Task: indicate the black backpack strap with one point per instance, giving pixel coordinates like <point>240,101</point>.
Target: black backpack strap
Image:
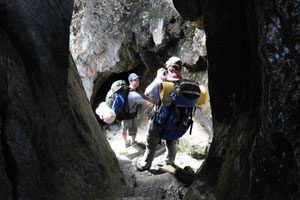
<point>191,119</point>
<point>126,114</point>
<point>132,107</point>
<point>131,90</point>
<point>155,110</point>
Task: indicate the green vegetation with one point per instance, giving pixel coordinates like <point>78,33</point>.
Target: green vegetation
<point>233,177</point>
<point>198,23</point>
<point>227,176</point>
<point>184,146</point>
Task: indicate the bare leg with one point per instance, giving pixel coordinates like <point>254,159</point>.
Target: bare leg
<point>124,134</point>
<point>133,139</point>
<point>132,131</point>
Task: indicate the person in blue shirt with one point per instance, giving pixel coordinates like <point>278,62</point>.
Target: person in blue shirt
<point>134,99</point>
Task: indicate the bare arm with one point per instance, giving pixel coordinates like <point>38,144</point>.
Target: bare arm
<point>159,76</point>
<point>148,104</point>
<point>150,87</point>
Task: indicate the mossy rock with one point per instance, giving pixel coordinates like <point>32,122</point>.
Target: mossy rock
<point>198,23</point>
<point>196,151</point>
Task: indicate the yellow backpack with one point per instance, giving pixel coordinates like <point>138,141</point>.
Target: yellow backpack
<point>166,87</point>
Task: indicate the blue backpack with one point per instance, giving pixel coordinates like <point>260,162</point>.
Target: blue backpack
<point>117,100</point>
<point>173,120</point>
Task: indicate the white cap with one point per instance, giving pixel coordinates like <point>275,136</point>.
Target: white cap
<point>174,62</point>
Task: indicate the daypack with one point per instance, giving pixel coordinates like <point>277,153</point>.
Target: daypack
<point>105,113</point>
<point>173,116</point>
<point>117,100</point>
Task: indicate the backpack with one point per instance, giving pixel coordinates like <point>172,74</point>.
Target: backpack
<point>117,100</point>
<point>173,116</point>
<point>105,113</point>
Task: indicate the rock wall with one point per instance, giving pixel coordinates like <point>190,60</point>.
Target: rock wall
<point>116,36</point>
<point>253,55</point>
<point>52,148</point>
<point>51,145</point>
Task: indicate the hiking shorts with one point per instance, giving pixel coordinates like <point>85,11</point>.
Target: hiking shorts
<point>130,125</point>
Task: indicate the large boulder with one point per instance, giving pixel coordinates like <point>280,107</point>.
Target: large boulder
<point>253,55</point>
<point>116,36</point>
<point>51,145</point>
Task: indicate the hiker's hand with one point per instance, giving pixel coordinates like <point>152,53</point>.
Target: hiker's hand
<point>149,104</point>
<point>161,73</point>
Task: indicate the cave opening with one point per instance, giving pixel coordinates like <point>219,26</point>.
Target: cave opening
<point>104,81</point>
<point>191,149</point>
<point>195,145</point>
<point>140,56</point>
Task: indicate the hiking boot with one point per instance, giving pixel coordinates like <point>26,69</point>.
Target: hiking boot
<point>169,163</point>
<point>141,166</point>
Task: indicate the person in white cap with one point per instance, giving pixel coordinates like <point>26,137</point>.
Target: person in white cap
<point>172,73</point>
<point>134,99</point>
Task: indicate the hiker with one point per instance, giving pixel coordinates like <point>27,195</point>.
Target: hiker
<point>171,73</point>
<point>134,100</point>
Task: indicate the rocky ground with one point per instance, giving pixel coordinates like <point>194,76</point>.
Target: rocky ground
<point>160,182</point>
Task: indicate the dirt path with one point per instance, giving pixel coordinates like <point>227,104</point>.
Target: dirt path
<point>160,182</point>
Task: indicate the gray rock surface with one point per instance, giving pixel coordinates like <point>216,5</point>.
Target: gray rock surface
<point>52,148</point>
<point>253,57</point>
<point>116,36</point>
<point>160,182</point>
<point>51,145</point>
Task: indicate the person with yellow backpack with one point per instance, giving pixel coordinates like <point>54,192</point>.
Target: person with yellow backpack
<point>175,101</point>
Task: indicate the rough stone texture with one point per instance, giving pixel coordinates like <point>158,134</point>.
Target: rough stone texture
<point>196,144</point>
<point>160,182</point>
<point>116,36</point>
<point>5,184</point>
<point>51,145</point>
<point>253,56</point>
<point>274,158</point>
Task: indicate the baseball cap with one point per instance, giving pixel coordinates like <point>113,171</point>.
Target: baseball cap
<point>174,62</point>
<point>132,76</point>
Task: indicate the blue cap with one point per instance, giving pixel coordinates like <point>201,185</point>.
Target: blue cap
<point>132,76</point>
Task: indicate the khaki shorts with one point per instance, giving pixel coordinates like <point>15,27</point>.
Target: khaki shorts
<point>130,125</point>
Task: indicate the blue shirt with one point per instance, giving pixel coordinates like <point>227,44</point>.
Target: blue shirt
<point>154,90</point>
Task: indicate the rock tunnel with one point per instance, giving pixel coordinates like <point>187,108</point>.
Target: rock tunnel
<point>103,85</point>
<point>50,142</point>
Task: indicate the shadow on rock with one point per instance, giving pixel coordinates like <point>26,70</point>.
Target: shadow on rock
<point>184,175</point>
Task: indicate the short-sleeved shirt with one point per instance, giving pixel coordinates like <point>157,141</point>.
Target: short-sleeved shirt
<point>134,99</point>
<point>154,90</point>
